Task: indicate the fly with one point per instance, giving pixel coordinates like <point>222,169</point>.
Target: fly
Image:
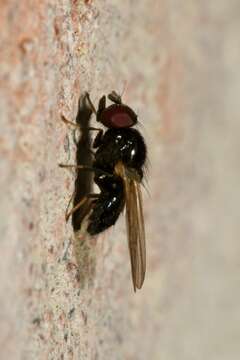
<point>118,168</point>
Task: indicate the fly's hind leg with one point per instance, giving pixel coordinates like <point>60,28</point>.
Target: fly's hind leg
<point>85,198</point>
<point>81,203</point>
<point>68,212</point>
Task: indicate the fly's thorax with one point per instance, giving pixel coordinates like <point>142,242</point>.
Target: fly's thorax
<point>126,145</point>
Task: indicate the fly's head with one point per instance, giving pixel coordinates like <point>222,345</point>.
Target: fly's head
<point>117,115</point>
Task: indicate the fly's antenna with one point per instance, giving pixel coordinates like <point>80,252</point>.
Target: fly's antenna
<point>125,83</point>
<point>116,96</point>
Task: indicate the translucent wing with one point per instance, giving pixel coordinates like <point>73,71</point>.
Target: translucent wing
<point>135,224</point>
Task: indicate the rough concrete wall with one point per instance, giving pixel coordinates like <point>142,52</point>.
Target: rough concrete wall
<point>180,60</point>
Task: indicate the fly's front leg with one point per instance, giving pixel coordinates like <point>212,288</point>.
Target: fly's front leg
<point>68,122</point>
<point>101,108</point>
<point>98,139</point>
<point>101,105</point>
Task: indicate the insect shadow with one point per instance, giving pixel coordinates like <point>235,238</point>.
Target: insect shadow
<point>83,181</point>
<point>84,247</point>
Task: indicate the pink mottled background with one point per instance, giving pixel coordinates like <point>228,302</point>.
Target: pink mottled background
<point>63,297</point>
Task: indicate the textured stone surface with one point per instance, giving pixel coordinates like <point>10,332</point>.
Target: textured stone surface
<point>181,64</point>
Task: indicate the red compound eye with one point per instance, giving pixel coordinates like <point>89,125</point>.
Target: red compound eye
<point>118,116</point>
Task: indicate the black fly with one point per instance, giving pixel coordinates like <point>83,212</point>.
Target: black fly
<point>118,168</point>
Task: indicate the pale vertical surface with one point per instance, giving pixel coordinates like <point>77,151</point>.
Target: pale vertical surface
<point>180,60</point>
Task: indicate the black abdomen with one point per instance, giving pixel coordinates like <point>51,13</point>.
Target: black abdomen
<point>108,206</point>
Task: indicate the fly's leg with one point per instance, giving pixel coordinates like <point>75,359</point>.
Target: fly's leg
<point>68,122</point>
<point>101,107</point>
<point>101,104</point>
<point>68,205</point>
<point>85,198</point>
<point>98,139</point>
<point>78,167</point>
<point>85,168</point>
<point>81,203</point>
<point>91,104</point>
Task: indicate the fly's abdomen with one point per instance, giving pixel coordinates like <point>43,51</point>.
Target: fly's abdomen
<point>106,211</point>
<point>109,205</point>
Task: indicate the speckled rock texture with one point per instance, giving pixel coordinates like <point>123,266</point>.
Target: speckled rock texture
<point>70,297</point>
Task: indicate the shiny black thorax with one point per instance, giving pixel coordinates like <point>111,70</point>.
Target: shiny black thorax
<point>126,145</point>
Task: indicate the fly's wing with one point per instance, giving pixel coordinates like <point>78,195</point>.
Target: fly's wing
<point>136,232</point>
<point>135,225</point>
